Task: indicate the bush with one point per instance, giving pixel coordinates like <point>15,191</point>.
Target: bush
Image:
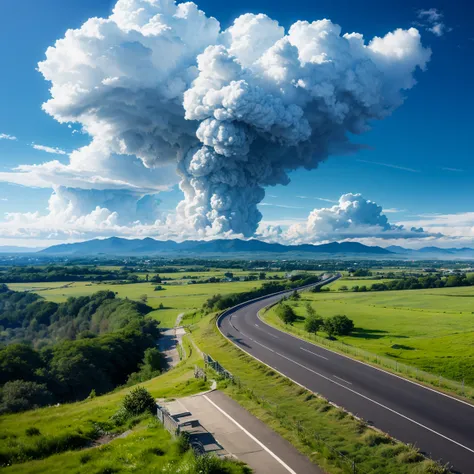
<point>139,401</point>
<point>338,325</point>
<point>313,323</point>
<point>19,395</point>
<point>286,313</point>
<point>32,431</point>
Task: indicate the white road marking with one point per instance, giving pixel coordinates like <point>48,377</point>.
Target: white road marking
<point>372,366</point>
<point>314,353</point>
<point>257,326</point>
<point>251,436</point>
<point>339,378</point>
<point>273,335</point>
<point>360,395</point>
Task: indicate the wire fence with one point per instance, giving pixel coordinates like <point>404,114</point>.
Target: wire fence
<point>307,436</point>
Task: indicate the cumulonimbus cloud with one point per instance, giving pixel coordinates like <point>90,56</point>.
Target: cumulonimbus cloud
<point>163,87</point>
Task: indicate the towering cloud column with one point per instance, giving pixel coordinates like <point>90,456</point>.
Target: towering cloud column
<point>235,110</point>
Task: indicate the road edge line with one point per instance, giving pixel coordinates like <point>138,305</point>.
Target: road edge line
<point>251,436</point>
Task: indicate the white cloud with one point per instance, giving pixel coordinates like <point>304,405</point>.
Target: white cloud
<point>49,149</point>
<point>353,217</point>
<point>234,111</point>
<point>5,136</point>
<point>166,95</point>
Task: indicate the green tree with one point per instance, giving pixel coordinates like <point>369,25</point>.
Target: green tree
<point>19,395</point>
<point>313,323</point>
<point>286,313</point>
<point>310,311</point>
<point>339,325</point>
<point>153,358</point>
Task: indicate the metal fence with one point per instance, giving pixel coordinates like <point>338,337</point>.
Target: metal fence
<point>167,420</point>
<point>216,366</point>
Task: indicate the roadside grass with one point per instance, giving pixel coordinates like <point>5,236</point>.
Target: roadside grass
<point>77,425</point>
<point>149,449</point>
<point>431,330</point>
<point>314,426</point>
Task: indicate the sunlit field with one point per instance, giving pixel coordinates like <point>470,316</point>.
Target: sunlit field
<point>431,329</point>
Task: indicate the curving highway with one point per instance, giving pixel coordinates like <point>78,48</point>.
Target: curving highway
<point>442,427</point>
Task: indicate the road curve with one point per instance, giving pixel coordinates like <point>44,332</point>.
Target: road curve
<point>442,427</point>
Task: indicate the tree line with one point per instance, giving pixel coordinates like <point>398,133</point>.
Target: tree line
<point>84,345</point>
<point>418,283</point>
<point>220,302</point>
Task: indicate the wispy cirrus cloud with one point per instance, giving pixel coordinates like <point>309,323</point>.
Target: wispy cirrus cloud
<point>390,165</point>
<point>455,170</point>
<point>6,136</point>
<point>392,210</point>
<point>318,198</point>
<point>432,20</point>
<point>283,206</point>
<point>49,149</point>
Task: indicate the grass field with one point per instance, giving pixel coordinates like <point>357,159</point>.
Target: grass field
<point>430,329</point>
<point>176,299</point>
<point>299,416</point>
<point>350,282</point>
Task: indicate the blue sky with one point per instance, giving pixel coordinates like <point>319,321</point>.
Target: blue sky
<point>417,163</point>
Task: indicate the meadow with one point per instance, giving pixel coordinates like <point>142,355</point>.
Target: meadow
<point>176,297</point>
<point>430,329</point>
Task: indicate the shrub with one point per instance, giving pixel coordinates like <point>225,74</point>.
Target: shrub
<point>139,401</point>
<point>32,431</point>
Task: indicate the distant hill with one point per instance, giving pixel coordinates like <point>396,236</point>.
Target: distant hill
<point>148,246</point>
<point>434,252</point>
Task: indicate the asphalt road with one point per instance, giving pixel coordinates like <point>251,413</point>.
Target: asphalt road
<point>440,426</point>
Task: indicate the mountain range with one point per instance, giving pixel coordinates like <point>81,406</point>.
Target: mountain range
<point>149,246</point>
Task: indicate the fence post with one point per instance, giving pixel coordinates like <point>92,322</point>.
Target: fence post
<point>354,469</point>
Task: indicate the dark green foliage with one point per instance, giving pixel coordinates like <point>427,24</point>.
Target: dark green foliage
<point>219,302</point>
<point>19,395</point>
<point>19,361</point>
<point>338,325</point>
<point>100,341</point>
<point>420,282</point>
<point>286,313</point>
<point>313,323</point>
<point>32,431</point>
<point>55,273</point>
<point>139,401</point>
<point>27,317</point>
